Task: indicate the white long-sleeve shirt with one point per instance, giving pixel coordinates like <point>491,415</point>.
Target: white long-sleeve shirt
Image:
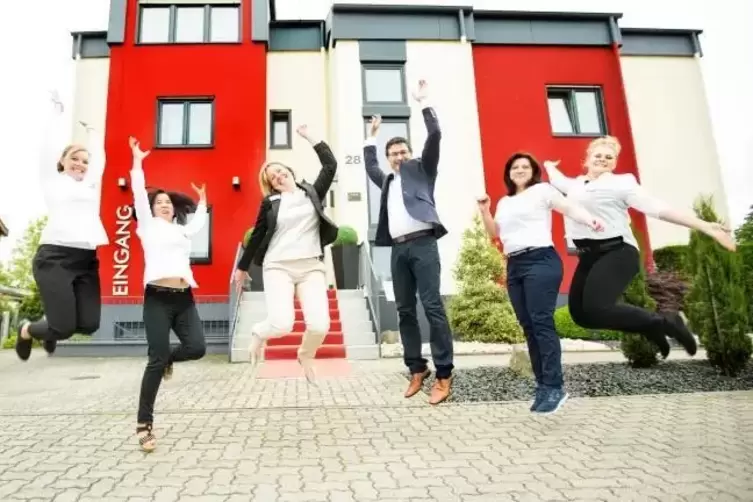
<point>73,206</point>
<point>608,197</point>
<point>166,245</point>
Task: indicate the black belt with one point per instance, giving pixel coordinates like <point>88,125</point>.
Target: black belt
<point>522,251</point>
<point>167,289</point>
<point>584,246</point>
<point>412,235</point>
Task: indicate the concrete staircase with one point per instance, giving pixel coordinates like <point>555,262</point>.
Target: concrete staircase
<point>351,333</point>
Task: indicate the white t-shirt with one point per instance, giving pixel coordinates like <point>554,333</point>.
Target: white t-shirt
<point>525,220</point>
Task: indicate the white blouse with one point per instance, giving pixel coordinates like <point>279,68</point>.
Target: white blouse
<point>296,233</point>
<point>72,206</point>
<point>524,220</point>
<point>608,197</point>
<point>166,245</point>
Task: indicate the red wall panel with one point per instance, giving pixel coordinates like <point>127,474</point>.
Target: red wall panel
<point>235,75</point>
<point>513,114</point>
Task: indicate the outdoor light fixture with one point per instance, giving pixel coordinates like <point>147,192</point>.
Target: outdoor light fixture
<point>122,183</point>
<point>236,182</point>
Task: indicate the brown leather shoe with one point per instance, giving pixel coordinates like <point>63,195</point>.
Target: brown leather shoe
<point>440,390</point>
<point>416,382</point>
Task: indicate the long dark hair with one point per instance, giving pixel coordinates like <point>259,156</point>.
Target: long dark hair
<point>183,205</point>
<point>512,189</point>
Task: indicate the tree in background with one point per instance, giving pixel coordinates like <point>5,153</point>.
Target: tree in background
<point>718,310</point>
<point>481,311</point>
<point>20,273</point>
<point>744,234</point>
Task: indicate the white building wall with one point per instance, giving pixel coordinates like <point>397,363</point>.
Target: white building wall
<point>90,96</point>
<point>674,142</point>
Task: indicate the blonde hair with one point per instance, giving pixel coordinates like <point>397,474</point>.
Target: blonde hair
<point>608,141</point>
<point>69,151</point>
<point>264,185</point>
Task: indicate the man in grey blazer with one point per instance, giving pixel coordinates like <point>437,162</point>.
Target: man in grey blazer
<point>409,223</point>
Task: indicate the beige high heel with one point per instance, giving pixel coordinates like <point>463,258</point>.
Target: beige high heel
<point>147,442</point>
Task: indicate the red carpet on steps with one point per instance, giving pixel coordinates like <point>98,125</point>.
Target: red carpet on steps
<point>286,347</point>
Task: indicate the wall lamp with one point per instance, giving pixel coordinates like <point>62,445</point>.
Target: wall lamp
<point>122,183</point>
<point>236,183</point>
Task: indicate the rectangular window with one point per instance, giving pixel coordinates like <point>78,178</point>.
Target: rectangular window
<point>576,111</point>
<point>280,133</point>
<point>201,242</point>
<point>383,84</point>
<point>185,123</point>
<point>194,24</point>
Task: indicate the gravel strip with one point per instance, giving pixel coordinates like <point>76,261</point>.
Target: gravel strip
<point>493,383</point>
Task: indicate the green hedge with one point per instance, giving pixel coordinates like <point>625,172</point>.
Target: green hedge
<point>566,328</point>
<point>746,254</point>
<point>672,259</point>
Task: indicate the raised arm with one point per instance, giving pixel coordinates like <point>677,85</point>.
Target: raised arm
<point>257,237</point>
<point>484,208</point>
<point>638,198</point>
<point>138,184</point>
<point>375,173</point>
<point>200,216</point>
<point>52,140</point>
<point>95,145</point>
<point>556,178</point>
<point>430,153</point>
<point>329,163</point>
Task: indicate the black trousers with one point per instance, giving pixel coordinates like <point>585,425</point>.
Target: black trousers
<point>68,282</point>
<point>600,280</point>
<point>166,309</point>
<point>416,268</point>
<point>533,283</point>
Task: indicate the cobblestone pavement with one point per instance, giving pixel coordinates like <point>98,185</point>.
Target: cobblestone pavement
<point>224,436</point>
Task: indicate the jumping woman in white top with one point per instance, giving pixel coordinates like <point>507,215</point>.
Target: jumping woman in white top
<point>168,281</point>
<point>534,269</point>
<point>608,261</point>
<point>65,267</point>
<point>288,241</point>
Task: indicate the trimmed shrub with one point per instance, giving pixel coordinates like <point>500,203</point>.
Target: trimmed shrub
<point>247,236</point>
<point>481,311</point>
<point>718,309</point>
<point>745,251</point>
<point>345,236</point>
<point>672,259</point>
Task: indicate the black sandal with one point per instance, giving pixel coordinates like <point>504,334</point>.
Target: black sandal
<point>147,438</point>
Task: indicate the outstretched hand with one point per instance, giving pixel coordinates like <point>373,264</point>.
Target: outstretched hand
<point>239,277</point>
<point>57,102</point>
<point>721,234</point>
<point>303,131</point>
<point>422,92</point>
<point>551,164</point>
<point>136,149</point>
<point>484,203</point>
<point>376,121</point>
<point>201,191</point>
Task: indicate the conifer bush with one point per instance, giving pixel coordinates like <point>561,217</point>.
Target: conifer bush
<point>718,310</point>
<point>481,310</point>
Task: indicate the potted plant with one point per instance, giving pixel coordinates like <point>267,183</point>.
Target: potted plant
<point>345,258</point>
<point>257,277</point>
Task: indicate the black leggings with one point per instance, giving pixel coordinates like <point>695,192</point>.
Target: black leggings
<point>599,282</point>
<point>166,309</point>
<point>68,282</point>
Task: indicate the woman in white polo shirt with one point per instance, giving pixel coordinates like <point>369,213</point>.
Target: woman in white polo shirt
<point>168,299</point>
<point>523,222</point>
<point>608,261</point>
<point>65,266</point>
<point>288,241</point>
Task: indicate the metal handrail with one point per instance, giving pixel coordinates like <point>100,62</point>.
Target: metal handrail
<point>367,280</point>
<point>234,301</point>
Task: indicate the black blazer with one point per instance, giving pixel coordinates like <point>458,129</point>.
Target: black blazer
<point>266,221</point>
<point>419,176</point>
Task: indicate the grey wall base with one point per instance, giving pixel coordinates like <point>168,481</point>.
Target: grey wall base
<point>121,349</point>
<point>389,321</point>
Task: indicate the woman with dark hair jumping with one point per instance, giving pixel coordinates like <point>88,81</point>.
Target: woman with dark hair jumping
<point>534,269</point>
<point>168,281</point>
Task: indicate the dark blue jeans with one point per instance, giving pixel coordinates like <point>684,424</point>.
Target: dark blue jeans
<point>416,268</point>
<point>533,283</point>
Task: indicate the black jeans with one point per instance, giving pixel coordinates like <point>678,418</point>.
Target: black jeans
<point>166,309</point>
<point>600,280</point>
<point>68,282</point>
<point>533,283</point>
<point>415,267</point>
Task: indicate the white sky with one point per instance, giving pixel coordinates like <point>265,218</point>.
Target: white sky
<point>35,46</point>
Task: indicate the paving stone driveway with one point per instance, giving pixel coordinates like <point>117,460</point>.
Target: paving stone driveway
<point>68,436</point>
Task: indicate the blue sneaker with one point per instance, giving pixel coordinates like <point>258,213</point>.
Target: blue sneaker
<point>540,392</point>
<point>553,400</point>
